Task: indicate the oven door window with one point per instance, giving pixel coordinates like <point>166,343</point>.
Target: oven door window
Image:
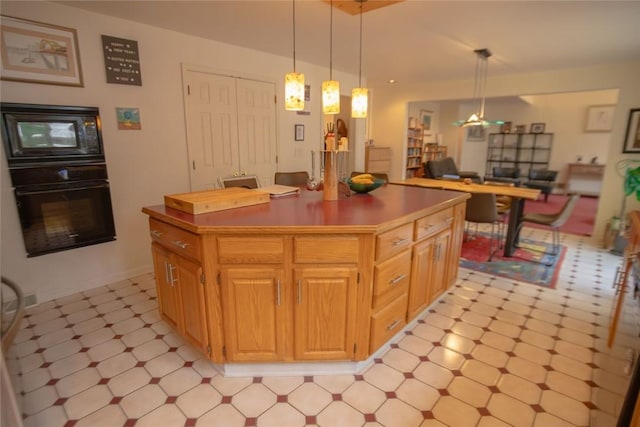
<point>59,217</point>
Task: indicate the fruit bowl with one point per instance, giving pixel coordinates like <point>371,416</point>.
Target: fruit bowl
<point>360,187</point>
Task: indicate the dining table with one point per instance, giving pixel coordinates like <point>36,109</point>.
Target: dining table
<point>517,194</point>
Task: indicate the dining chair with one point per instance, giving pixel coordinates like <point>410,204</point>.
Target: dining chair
<point>246,181</point>
<point>291,178</point>
<point>482,209</point>
<point>552,220</point>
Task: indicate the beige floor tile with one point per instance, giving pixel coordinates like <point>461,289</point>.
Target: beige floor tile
<point>68,365</point>
<point>575,337</point>
<point>396,413</point>
<point>286,384</point>
<point>143,401</point>
<point>537,339</point>
<point>61,350</point>
<point>439,321</point>
<point>511,410</point>
<point>469,391</point>
<point>476,319</point>
<point>511,317</point>
<point>446,358</point>
<point>128,381</point>
<point>128,326</point>
<point>310,398</point>
<point>364,397</point>
<point>490,355</point>
<point>542,327</point>
<point>467,330</point>
<point>221,416</point>
<point>400,360</point>
<point>254,400</point>
<point>339,414</point>
<point>569,386</point>
<point>433,375</point>
<point>428,332</point>
<point>532,353</point>
<point>415,345</point>
<point>418,394</point>
<point>480,372</point>
<point>498,341</point>
<point>35,379</point>
<point>53,416</point>
<point>163,416</point>
<point>519,388</point>
<point>281,415</point>
<point>179,381</point>
<point>78,382</point>
<point>198,400</point>
<point>89,325</point>
<point>457,343</point>
<point>565,408</point>
<point>39,399</point>
<point>547,420</point>
<point>453,412</point>
<point>574,351</point>
<point>484,309</point>
<point>492,422</point>
<point>150,350</point>
<point>230,386</point>
<point>164,364</point>
<point>138,337</point>
<point>526,369</point>
<point>88,401</point>
<point>384,377</point>
<point>505,328</point>
<point>108,416</point>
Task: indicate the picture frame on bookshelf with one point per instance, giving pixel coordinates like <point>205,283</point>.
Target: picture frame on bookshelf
<point>476,133</point>
<point>537,127</point>
<point>521,128</point>
<point>426,117</point>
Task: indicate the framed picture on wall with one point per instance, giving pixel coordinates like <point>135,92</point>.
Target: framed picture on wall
<point>537,127</point>
<point>426,117</point>
<point>476,133</point>
<point>35,52</point>
<point>632,136</point>
<point>599,118</point>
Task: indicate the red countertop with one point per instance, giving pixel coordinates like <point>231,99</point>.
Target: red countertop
<point>376,211</point>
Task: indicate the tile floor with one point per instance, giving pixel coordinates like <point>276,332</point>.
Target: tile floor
<point>490,352</point>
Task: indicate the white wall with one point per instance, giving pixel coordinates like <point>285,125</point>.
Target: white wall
<point>391,108</point>
<point>143,165</point>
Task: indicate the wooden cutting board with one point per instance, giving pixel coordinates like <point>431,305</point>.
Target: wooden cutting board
<point>215,200</point>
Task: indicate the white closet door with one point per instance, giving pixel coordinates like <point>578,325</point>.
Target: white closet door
<point>230,128</point>
<point>256,129</point>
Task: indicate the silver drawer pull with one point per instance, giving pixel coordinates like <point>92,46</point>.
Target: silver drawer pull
<point>399,242</point>
<point>397,279</point>
<point>180,244</point>
<point>393,325</point>
<point>278,292</point>
<point>156,233</point>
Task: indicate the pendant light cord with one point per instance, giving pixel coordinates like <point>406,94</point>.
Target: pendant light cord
<point>360,65</point>
<point>331,42</point>
<point>294,36</point>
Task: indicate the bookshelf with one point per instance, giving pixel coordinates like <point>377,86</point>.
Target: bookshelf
<point>414,149</point>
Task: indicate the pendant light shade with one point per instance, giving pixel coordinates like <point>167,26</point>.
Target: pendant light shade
<point>360,95</point>
<point>294,91</point>
<point>359,102</point>
<point>294,82</point>
<point>477,117</point>
<point>331,88</point>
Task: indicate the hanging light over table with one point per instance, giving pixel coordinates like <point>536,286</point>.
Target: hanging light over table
<point>359,95</point>
<point>477,117</point>
<point>294,82</point>
<point>331,88</point>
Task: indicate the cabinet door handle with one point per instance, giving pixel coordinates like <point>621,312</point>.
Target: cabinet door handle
<point>156,233</point>
<point>278,292</point>
<point>393,324</point>
<point>398,242</point>
<point>172,279</point>
<point>166,273</point>
<point>180,244</point>
<point>299,291</point>
<point>397,279</point>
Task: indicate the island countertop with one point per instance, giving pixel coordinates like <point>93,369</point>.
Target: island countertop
<point>376,211</point>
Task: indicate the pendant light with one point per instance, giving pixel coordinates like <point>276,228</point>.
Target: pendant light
<point>331,88</point>
<point>477,117</point>
<point>294,82</point>
<point>359,95</point>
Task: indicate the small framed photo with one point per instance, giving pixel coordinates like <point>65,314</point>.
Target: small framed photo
<point>128,118</point>
<point>35,52</point>
<point>505,127</point>
<point>521,128</point>
<point>476,133</point>
<point>299,132</point>
<point>425,121</point>
<point>537,127</point>
<point>599,118</point>
<point>632,137</point>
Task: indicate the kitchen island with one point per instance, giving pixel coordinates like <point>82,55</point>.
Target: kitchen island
<point>302,279</point>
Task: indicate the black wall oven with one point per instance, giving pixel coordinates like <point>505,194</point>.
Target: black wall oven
<point>59,174</point>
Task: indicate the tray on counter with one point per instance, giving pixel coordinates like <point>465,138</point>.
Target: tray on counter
<point>199,202</point>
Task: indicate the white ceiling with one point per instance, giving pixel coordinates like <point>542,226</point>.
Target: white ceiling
<point>412,41</point>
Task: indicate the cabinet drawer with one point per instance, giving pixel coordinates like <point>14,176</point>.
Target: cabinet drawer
<point>388,322</point>
<point>326,249</point>
<point>394,241</point>
<point>433,223</point>
<point>391,278</point>
<point>241,249</point>
<point>177,240</point>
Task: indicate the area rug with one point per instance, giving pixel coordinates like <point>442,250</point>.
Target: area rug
<point>528,264</point>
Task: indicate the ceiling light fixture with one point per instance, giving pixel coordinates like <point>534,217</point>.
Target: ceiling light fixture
<point>331,88</point>
<point>477,117</point>
<point>359,95</point>
<point>294,82</point>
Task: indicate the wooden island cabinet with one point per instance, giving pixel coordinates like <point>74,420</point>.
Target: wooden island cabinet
<point>303,279</point>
